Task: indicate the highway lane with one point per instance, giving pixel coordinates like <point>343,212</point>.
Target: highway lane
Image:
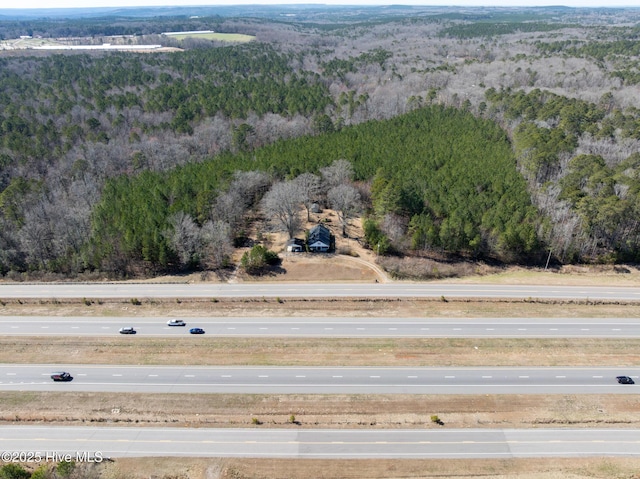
<point>326,327</point>
<point>320,380</point>
<point>313,290</point>
<point>115,442</point>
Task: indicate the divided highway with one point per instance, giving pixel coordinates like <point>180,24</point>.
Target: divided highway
<point>303,443</point>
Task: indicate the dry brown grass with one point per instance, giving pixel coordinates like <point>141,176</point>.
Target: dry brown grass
<point>320,352</point>
<point>339,411</point>
<point>330,308</point>
<point>177,468</point>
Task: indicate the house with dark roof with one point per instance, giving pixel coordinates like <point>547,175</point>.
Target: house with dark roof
<point>319,239</point>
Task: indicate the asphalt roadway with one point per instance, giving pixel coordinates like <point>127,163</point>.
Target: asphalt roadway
<point>99,443</point>
<point>319,380</point>
<point>312,290</point>
<point>333,327</point>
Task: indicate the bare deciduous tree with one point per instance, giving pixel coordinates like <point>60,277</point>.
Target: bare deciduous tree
<point>309,185</point>
<point>339,172</point>
<point>9,247</point>
<point>216,243</point>
<point>250,185</point>
<point>345,199</point>
<point>36,238</point>
<point>229,207</point>
<point>184,238</point>
<point>208,246</point>
<point>395,227</point>
<point>282,202</point>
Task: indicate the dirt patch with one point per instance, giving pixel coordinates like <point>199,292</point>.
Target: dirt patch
<point>320,267</point>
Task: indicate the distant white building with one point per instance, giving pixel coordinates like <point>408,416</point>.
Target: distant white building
<point>104,46</point>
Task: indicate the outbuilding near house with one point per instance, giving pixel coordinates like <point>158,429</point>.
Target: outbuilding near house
<point>319,239</point>
<point>295,245</point>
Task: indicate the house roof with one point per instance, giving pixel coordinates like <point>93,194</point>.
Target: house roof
<point>319,233</point>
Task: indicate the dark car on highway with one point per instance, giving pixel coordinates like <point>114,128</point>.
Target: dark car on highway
<point>625,380</point>
<point>61,376</point>
<point>196,331</point>
<point>127,330</point>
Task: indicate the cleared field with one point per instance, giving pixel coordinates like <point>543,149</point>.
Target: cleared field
<point>221,37</point>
